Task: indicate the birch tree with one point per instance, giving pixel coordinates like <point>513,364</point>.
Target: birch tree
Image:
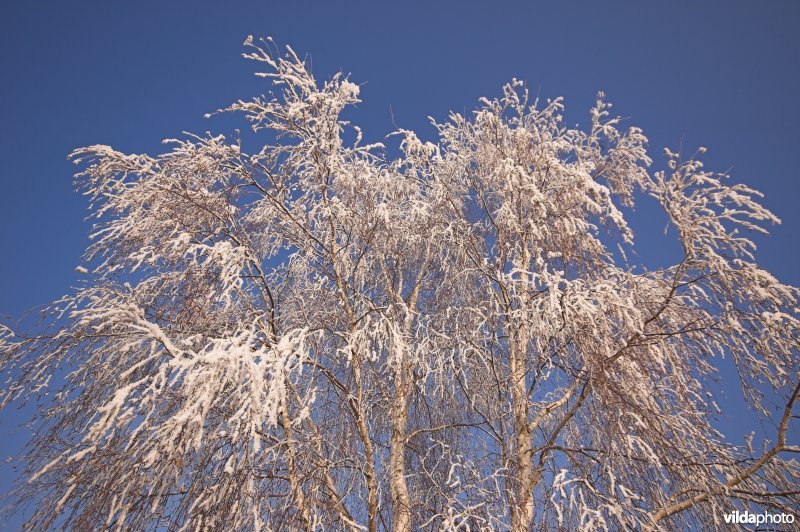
<point>450,334</point>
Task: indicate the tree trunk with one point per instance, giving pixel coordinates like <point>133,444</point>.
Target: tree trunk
<point>401,500</point>
<point>369,459</point>
<point>522,502</point>
<point>295,480</point>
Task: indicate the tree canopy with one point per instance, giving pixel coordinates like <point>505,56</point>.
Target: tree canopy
<point>457,334</point>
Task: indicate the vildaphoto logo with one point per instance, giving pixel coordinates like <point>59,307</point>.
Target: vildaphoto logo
<point>765,518</point>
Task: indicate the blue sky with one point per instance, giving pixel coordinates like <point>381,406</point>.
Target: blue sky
<point>719,74</point>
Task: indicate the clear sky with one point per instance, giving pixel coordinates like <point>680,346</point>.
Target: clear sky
<point>721,74</point>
